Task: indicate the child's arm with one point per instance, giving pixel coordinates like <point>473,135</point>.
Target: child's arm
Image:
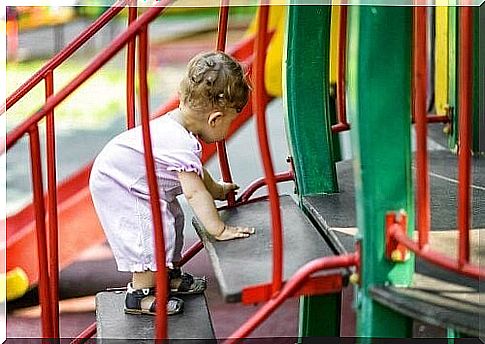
<point>202,203</point>
<point>217,190</point>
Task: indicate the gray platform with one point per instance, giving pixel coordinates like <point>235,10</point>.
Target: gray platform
<point>247,262</point>
<point>193,325</point>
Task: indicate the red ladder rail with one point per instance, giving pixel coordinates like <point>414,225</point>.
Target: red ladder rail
<point>396,229</point>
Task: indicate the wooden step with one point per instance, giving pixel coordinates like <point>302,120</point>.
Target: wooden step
<point>436,302</point>
<point>245,263</point>
<point>112,323</point>
<point>334,211</point>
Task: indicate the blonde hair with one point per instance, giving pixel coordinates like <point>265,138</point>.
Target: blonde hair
<point>214,80</point>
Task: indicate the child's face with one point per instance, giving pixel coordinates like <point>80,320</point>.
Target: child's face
<point>218,124</point>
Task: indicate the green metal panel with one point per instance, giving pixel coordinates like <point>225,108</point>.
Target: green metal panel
<point>308,122</point>
<point>452,79</point>
<point>379,76</point>
<point>319,316</point>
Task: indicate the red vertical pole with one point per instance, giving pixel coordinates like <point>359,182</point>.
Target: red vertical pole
<point>130,72</point>
<point>222,26</point>
<point>464,130</point>
<point>221,145</point>
<point>341,111</point>
<point>161,275</point>
<point>420,114</point>
<point>38,191</point>
<point>52,208</point>
<point>259,105</point>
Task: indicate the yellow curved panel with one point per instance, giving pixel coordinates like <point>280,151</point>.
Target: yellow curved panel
<point>274,57</point>
<point>441,59</point>
<point>334,43</point>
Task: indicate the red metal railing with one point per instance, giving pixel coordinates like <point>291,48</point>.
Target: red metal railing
<point>259,105</point>
<point>221,145</point>
<point>65,53</point>
<point>396,230</point>
<point>465,71</point>
<point>291,287</point>
<point>342,122</point>
<point>48,267</point>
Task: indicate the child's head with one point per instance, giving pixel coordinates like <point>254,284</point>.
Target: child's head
<point>214,85</point>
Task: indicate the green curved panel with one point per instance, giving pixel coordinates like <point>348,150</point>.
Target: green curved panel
<point>307,99</point>
<point>308,122</point>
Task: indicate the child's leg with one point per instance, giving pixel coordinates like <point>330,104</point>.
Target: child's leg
<point>179,224</point>
<point>181,282</point>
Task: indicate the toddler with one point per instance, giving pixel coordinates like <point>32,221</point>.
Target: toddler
<point>212,92</point>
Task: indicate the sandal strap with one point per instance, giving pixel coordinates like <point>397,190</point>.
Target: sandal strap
<point>135,296</point>
<point>186,282</point>
<point>174,305</point>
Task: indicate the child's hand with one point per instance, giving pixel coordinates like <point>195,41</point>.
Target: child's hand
<point>231,232</point>
<point>223,189</point>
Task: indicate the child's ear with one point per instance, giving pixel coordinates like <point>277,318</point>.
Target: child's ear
<point>213,117</point>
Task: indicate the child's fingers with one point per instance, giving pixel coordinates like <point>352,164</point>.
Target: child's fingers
<point>230,187</point>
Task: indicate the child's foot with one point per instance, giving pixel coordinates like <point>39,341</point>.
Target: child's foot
<point>143,301</point>
<point>185,283</point>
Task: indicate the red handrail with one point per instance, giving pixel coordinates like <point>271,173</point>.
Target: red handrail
<point>130,73</point>
<point>419,113</point>
<point>161,275</point>
<point>221,145</point>
<point>85,335</point>
<point>52,209</point>
<point>460,264</point>
<point>65,53</point>
<point>434,257</point>
<point>290,287</point>
<point>342,64</point>
<point>48,268</point>
<point>259,101</point>
<point>96,64</point>
<point>38,190</point>
<point>258,183</point>
<point>464,131</point>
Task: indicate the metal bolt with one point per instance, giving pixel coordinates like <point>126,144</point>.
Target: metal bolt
<point>447,129</point>
<point>397,256</point>
<point>354,278</point>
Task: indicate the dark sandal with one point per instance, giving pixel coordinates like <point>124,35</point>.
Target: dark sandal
<point>134,297</point>
<point>188,283</point>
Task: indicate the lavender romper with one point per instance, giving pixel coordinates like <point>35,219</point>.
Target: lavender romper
<point>120,194</point>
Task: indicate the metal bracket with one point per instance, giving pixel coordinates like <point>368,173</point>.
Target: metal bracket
<point>289,160</point>
<point>395,251</point>
<point>448,128</point>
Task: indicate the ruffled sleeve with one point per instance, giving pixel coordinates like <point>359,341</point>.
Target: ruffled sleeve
<point>182,160</point>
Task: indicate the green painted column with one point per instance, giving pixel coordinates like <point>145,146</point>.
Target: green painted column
<point>379,77</point>
<point>308,121</point>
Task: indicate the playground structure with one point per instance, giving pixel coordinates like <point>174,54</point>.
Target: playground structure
<point>374,193</point>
